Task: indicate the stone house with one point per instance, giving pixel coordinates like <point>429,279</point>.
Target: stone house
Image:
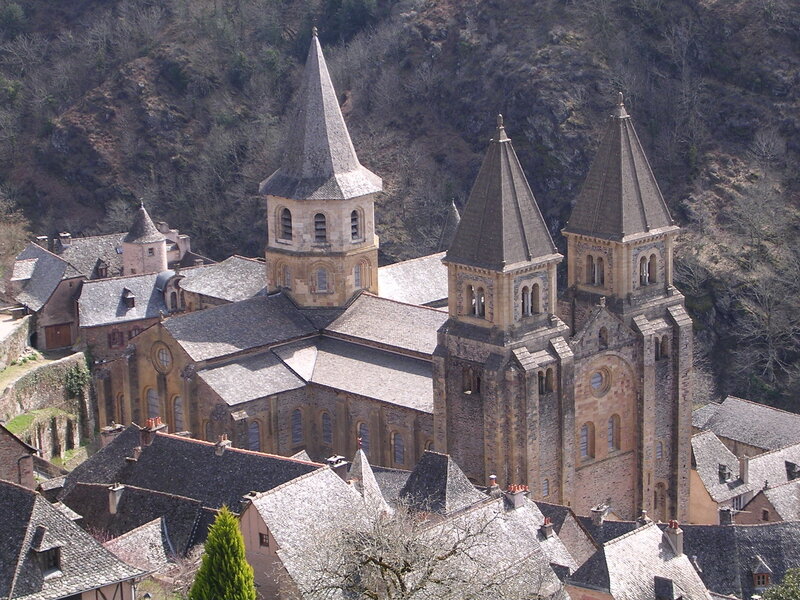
<point>16,459</point>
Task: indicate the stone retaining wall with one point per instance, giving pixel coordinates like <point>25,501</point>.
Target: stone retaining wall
<point>13,344</point>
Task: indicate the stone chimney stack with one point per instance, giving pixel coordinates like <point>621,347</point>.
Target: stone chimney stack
<point>114,496</point>
<point>516,495</point>
<point>109,433</point>
<point>148,432</point>
<point>674,535</point>
<point>43,241</point>
<point>65,239</point>
<point>493,489</point>
<point>547,528</point>
<point>599,514</point>
<point>744,468</point>
<point>223,443</point>
<point>339,465</point>
<point>727,516</point>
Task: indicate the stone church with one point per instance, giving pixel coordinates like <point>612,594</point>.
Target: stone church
<point>582,394</point>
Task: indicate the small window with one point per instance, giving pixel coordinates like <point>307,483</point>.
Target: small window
<point>151,252</point>
<point>164,358</point>
<point>355,226</point>
<point>327,429</point>
<point>286,224</point>
<point>652,269</point>
<point>764,514</point>
<point>536,299</point>
<point>761,580</point>
<point>50,560</point>
<point>659,450</point>
<point>600,272</point>
<point>471,381</point>
<point>173,301</point>
<point>526,301</point>
<point>102,270</point>
<point>471,300</point>
<point>297,427</point>
<point>254,436</point>
<point>480,303</point>
<point>363,437</point>
<point>665,347</point>
<point>603,337</point>
<point>613,433</point>
<point>357,276</point>
<point>263,540</point>
<point>153,404</point>
<point>177,414</point>
<point>286,276</point>
<point>549,383</point>
<point>429,445</point>
<point>546,488</point>
<point>541,383</point>
<point>399,448</point>
<point>322,280</point>
<point>320,229</point>
<point>116,339</point>
<point>590,269</point>
<point>644,272</point>
<point>587,441</point>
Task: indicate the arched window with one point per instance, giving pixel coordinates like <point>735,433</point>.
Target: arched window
<point>541,383</point>
<point>471,381</point>
<point>286,277</point>
<point>613,433</point>
<point>286,224</point>
<point>600,272</point>
<point>536,299</point>
<point>320,228</point>
<point>480,303</point>
<point>177,414</point>
<point>355,226</point>
<point>603,337</point>
<point>153,404</point>
<point>545,488</point>
<point>471,300</point>
<point>322,280</point>
<point>173,301</point>
<point>363,437</point>
<point>327,429</point>
<point>526,301</point>
<point>399,449</point>
<point>659,450</point>
<point>589,269</point>
<point>665,347</point>
<point>549,384</point>
<point>657,346</point>
<point>644,273</point>
<point>254,436</point>
<point>429,445</point>
<point>357,276</point>
<point>297,427</point>
<point>652,269</point>
<point>587,441</point>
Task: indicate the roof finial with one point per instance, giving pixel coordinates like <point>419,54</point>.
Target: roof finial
<point>359,442</point>
<point>141,202</point>
<point>499,120</point>
<point>619,109</point>
<point>501,130</point>
<point>620,98</point>
<point>315,31</point>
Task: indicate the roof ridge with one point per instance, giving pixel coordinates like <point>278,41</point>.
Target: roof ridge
<point>629,533</point>
<point>759,404</point>
<point>138,488</point>
<point>408,260</point>
<point>119,277</point>
<point>384,299</point>
<point>285,484</point>
<point>781,449</point>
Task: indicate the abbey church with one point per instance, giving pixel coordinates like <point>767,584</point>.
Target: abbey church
<point>583,394</point>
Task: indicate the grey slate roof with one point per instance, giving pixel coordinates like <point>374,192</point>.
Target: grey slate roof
<point>438,485</point>
<point>102,302</point>
<point>390,481</point>
<point>143,230</point>
<point>751,423</point>
<point>84,253</point>
<point>785,498</point>
<point>708,454</point>
<point>420,281</point>
<point>186,467</point>
<point>45,271</point>
<point>607,530</point>
<point>501,225</point>
<point>390,324</point>
<point>620,196</point>
<point>770,467</point>
<point>230,328</point>
<point>29,522</point>
<point>146,547</point>
<point>250,377</point>
<point>627,566</point>
<point>236,278</point>
<point>361,477</point>
<point>320,161</point>
<point>726,554</point>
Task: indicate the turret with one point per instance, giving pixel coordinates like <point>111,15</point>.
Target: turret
<point>144,248</point>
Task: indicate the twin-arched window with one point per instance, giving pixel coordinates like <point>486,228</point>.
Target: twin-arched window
<point>546,381</point>
<point>531,300</point>
<point>648,270</point>
<point>595,270</point>
<point>476,301</point>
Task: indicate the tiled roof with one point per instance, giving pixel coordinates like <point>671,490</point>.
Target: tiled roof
<point>501,225</point>
<point>391,481</point>
<point>230,328</point>
<point>391,324</point>
<point>102,301</point>
<point>46,271</point>
<point>771,467</point>
<point>620,196</point>
<point>786,500</point>
<point>250,377</point>
<point>417,281</point>
<point>142,230</point>
<point>84,253</point>
<point>438,485</point>
<point>187,467</point>
<point>709,453</point>
<point>607,530</point>
<point>628,565</point>
<point>726,554</point>
<point>751,423</point>
<point>320,161</point>
<point>146,547</point>
<point>362,478</point>
<point>29,523</point>
<point>236,278</point>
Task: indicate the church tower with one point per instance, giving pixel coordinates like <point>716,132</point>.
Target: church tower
<point>495,360</point>
<point>144,248</point>
<point>321,242</point>
<point>631,336</point>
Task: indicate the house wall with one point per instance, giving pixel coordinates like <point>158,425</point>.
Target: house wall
<point>270,576</point>
<point>702,509</point>
<point>97,338</point>
<point>118,591</point>
<point>16,460</point>
<point>752,514</point>
<point>60,309</point>
<point>579,593</point>
<point>14,343</point>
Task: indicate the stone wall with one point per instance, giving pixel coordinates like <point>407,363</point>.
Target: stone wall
<point>13,344</point>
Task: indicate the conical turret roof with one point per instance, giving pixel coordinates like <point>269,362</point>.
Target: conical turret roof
<point>320,162</point>
<point>501,225</point>
<point>142,230</point>
<point>620,196</point>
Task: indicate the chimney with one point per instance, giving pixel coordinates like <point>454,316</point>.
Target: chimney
<point>547,528</point>
<point>137,452</point>
<point>147,434</point>
<point>516,495</point>
<point>198,262</point>
<point>727,516</point>
<point>339,466</point>
<point>114,496</point>
<point>674,535</point>
<point>223,443</point>
<point>744,468</point>
<point>43,241</point>
<point>493,490</point>
<point>65,238</point>
<point>643,519</point>
<point>599,514</point>
<point>246,500</point>
<point>109,433</point>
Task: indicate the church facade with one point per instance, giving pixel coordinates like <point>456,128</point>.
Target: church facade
<point>582,394</point>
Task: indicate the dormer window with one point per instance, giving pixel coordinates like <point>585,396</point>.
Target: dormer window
<point>128,298</point>
<point>151,252</point>
<point>102,269</point>
<point>724,473</point>
<point>761,580</point>
<point>50,560</point>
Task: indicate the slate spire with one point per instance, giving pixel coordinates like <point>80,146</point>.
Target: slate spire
<point>620,196</point>
<point>319,161</point>
<point>143,230</point>
<point>501,225</point>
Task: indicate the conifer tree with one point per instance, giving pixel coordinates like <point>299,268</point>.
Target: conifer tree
<point>224,572</point>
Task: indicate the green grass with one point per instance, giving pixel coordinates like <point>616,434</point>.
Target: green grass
<point>22,423</point>
<point>13,372</point>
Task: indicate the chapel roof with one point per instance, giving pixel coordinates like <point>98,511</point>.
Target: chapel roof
<point>143,230</point>
<point>501,225</point>
<point>420,281</point>
<point>438,485</point>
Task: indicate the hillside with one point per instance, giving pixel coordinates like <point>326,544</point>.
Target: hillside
<point>183,104</point>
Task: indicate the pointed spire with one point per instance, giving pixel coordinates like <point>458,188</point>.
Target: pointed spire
<point>319,162</point>
<point>620,196</point>
<point>363,479</point>
<point>501,225</point>
<point>142,230</point>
